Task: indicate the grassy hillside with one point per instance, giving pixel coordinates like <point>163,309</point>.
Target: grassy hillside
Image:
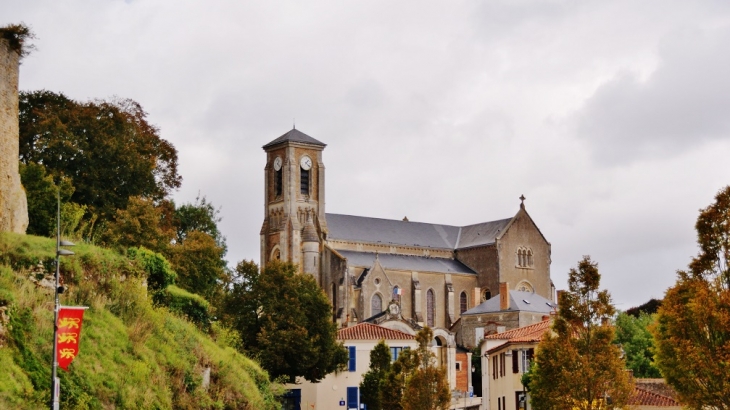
<point>133,355</point>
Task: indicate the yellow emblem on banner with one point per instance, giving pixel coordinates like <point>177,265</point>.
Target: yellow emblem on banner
<point>69,322</point>
<point>67,353</point>
<point>68,338</point>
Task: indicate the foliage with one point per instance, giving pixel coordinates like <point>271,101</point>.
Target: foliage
<point>649,308</point>
<point>693,326</point>
<point>142,223</point>
<point>427,387</point>
<point>159,272</point>
<point>200,216</point>
<point>192,306</point>
<point>415,381</point>
<point>132,356</point>
<point>106,148</point>
<point>374,378</point>
<point>284,320</point>
<point>17,36</point>
<point>632,334</point>
<point>200,266</point>
<point>42,193</point>
<point>578,366</point>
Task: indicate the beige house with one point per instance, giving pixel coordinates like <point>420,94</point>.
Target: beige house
<point>399,274</point>
<point>342,390</point>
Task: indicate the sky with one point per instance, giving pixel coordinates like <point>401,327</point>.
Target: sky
<point>610,117</point>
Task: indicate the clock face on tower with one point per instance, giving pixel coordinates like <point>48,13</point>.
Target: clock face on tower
<point>277,163</point>
<point>306,163</point>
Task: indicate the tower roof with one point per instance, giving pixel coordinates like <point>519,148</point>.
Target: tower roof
<point>295,136</point>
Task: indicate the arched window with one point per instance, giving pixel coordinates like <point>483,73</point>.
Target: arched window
<point>276,253</point>
<point>278,181</point>
<point>463,303</point>
<point>525,286</point>
<point>430,302</point>
<point>529,258</point>
<point>376,305</point>
<point>486,294</point>
<point>396,294</point>
<point>304,181</point>
<point>524,258</point>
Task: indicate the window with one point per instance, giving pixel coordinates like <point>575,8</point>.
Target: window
<point>396,294</point>
<point>458,366</point>
<point>463,303</point>
<point>304,181</point>
<point>376,305</point>
<point>524,258</point>
<point>515,362</point>
<point>430,300</point>
<point>352,398</point>
<point>351,363</point>
<point>396,351</point>
<point>278,182</point>
<point>486,294</point>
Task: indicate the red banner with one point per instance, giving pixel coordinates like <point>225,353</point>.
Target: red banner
<point>69,333</point>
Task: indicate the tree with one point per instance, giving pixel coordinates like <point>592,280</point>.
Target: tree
<point>106,148</point>
<point>142,223</point>
<point>200,266</point>
<point>577,366</point>
<point>634,337</point>
<point>373,380</point>
<point>693,326</point>
<point>199,216</point>
<point>284,320</point>
<point>42,193</point>
<point>415,381</point>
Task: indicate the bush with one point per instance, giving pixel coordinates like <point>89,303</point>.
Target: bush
<point>159,272</point>
<point>193,306</point>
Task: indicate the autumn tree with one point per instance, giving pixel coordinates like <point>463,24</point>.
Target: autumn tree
<point>576,365</point>
<point>693,326</point>
<point>634,337</point>
<point>284,319</point>
<point>374,378</point>
<point>108,149</point>
<point>415,381</point>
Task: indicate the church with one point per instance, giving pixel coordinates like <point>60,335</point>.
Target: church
<point>399,274</point>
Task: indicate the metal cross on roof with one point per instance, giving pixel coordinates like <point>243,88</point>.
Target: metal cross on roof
<point>522,203</point>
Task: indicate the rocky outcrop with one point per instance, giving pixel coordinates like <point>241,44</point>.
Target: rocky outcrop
<point>13,202</point>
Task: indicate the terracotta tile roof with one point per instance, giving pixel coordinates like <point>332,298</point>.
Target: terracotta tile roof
<point>643,397</point>
<point>368,331</point>
<point>530,333</point>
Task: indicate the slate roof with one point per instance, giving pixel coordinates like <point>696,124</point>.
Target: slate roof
<point>525,334</point>
<point>369,331</point>
<point>518,301</point>
<point>295,136</point>
<point>395,232</point>
<point>643,397</point>
<point>405,262</point>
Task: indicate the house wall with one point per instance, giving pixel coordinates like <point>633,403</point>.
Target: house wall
<point>469,323</point>
<point>508,385</point>
<point>329,391</point>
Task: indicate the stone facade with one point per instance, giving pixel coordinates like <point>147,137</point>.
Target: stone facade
<point>399,274</point>
<point>13,202</point>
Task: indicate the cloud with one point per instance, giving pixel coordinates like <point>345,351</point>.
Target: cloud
<point>681,105</point>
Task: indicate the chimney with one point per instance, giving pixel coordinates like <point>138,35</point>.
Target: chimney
<point>545,317</point>
<point>503,295</point>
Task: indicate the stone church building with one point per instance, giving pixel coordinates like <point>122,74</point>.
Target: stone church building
<point>396,273</point>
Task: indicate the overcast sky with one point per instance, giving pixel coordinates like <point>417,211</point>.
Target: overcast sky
<point>611,117</point>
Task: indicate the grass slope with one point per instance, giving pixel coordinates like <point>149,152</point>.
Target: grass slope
<point>132,356</point>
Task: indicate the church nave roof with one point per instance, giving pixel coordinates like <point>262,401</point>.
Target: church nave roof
<point>405,262</point>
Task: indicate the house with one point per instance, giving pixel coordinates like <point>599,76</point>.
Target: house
<point>398,274</point>
<point>341,390</point>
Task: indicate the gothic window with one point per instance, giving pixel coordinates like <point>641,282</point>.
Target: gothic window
<point>524,258</point>
<point>276,254</point>
<point>376,305</point>
<point>278,182</point>
<point>304,181</point>
<point>529,258</point>
<point>463,303</point>
<point>430,301</point>
<point>525,286</point>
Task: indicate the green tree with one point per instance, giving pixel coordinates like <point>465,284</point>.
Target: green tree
<point>284,320</point>
<point>375,376</point>
<point>42,193</point>
<point>141,223</point>
<point>634,337</point>
<point>199,216</point>
<point>200,266</point>
<point>693,326</point>
<point>577,366</point>
<point>108,149</point>
<point>393,389</point>
<point>427,387</point>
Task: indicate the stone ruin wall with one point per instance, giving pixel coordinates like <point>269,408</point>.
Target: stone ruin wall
<point>13,202</point>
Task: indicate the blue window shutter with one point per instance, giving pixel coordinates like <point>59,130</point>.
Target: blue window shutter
<point>352,363</point>
<point>352,398</point>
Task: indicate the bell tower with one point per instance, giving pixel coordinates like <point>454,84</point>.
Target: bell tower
<point>294,221</point>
